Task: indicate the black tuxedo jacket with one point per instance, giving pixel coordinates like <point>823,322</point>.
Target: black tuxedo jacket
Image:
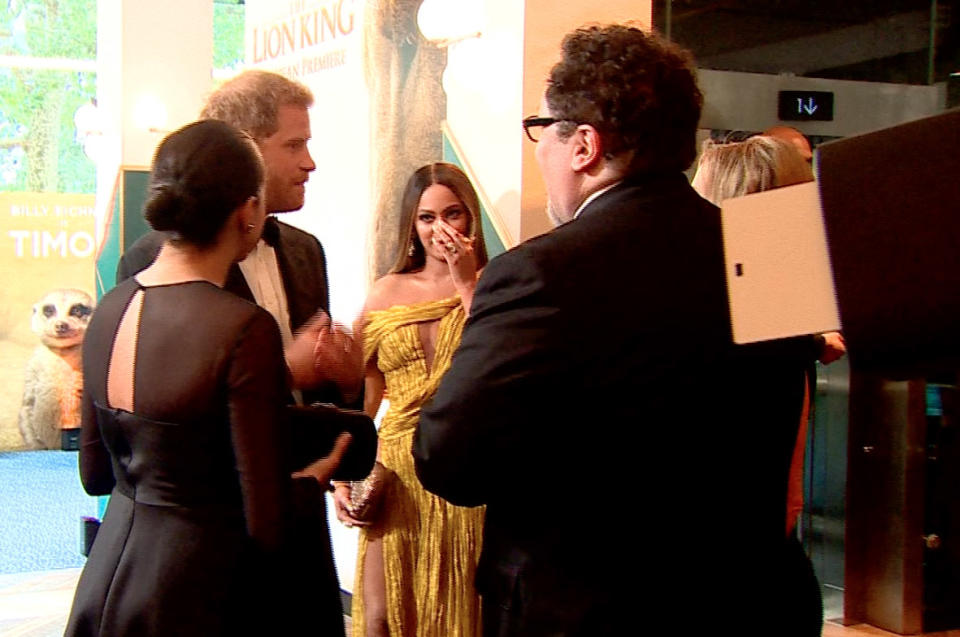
<point>599,409</point>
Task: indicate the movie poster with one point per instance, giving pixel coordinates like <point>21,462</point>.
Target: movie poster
<point>47,252</point>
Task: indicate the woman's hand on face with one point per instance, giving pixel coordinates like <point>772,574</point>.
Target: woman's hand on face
<point>341,503</point>
<point>457,252</point>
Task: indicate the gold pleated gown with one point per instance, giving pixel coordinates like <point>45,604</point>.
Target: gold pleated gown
<point>430,547</point>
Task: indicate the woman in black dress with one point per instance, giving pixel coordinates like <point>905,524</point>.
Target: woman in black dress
<point>183,423</point>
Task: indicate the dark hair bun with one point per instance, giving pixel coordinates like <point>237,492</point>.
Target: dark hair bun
<point>201,174</point>
<point>166,207</point>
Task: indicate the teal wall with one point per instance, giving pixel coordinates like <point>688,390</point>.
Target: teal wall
<point>125,226</point>
<point>134,197</point>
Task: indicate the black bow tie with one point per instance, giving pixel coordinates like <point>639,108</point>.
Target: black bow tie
<point>271,231</point>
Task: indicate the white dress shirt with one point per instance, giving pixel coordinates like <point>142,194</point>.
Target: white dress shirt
<point>262,273</point>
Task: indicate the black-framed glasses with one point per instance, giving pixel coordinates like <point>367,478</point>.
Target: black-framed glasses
<point>534,125</point>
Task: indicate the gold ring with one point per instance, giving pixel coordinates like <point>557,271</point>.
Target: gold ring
<point>451,247</point>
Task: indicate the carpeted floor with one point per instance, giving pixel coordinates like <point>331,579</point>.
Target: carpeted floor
<point>41,504</point>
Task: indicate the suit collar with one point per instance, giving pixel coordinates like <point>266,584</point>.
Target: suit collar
<point>650,184</point>
<point>594,195</point>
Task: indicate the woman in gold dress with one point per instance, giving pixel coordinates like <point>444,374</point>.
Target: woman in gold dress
<point>416,560</point>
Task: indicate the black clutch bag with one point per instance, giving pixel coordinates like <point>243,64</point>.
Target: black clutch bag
<point>314,428</point>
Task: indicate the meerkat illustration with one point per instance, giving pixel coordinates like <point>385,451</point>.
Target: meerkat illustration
<point>54,379</point>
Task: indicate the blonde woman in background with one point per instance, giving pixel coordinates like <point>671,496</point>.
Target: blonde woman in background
<point>760,163</point>
<point>417,557</point>
<point>754,165</point>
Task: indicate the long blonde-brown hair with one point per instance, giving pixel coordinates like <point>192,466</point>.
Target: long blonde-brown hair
<point>410,252</point>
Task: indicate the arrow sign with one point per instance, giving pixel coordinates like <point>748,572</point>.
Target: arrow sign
<point>805,106</point>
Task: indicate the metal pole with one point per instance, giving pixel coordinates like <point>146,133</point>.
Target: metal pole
<point>668,18</point>
<point>932,49</point>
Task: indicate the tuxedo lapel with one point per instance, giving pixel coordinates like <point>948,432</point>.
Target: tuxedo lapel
<point>293,260</point>
<point>237,284</point>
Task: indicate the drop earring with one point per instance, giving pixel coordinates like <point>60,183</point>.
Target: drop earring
<point>411,250</point>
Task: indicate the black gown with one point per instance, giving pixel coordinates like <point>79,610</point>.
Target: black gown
<point>191,542</point>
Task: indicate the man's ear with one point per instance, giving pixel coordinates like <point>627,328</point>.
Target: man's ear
<point>587,150</point>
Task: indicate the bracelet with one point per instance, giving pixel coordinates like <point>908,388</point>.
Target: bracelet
<point>336,484</point>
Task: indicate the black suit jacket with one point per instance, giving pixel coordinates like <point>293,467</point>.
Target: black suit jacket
<point>599,409</point>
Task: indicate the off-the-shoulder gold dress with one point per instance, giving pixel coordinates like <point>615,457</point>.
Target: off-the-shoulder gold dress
<point>430,547</point>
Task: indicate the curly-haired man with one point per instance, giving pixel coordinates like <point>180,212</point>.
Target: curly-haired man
<point>597,404</point>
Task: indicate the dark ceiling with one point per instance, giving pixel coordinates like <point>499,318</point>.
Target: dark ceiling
<point>881,41</point>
